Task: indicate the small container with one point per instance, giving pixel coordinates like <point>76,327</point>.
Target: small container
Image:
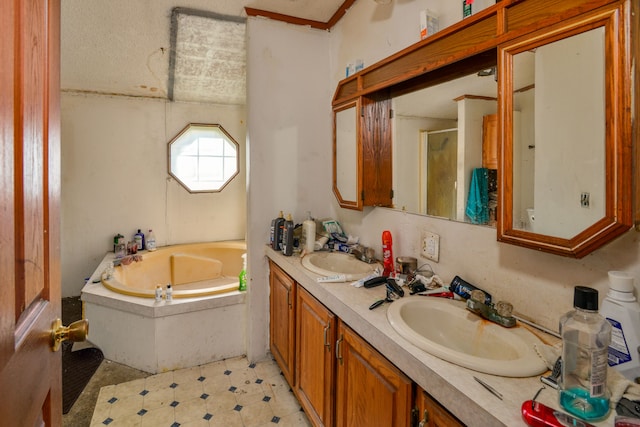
<point>621,309</point>
<point>242,277</point>
<point>308,234</point>
<point>158,294</point>
<point>169,293</point>
<point>406,265</point>
<point>151,241</point>
<point>287,237</point>
<point>275,233</point>
<point>387,254</point>
<point>586,336</point>
<point>139,239</point>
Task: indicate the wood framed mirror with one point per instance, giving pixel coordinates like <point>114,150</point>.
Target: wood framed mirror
<point>565,172</point>
<point>347,155</point>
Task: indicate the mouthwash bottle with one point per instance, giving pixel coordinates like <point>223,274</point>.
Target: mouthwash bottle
<point>585,342</point>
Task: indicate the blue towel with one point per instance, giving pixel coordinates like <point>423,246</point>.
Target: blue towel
<point>478,201</point>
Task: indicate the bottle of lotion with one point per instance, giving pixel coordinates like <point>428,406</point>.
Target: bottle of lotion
<point>308,234</point>
<point>169,293</point>
<point>622,310</point>
<point>150,244</point>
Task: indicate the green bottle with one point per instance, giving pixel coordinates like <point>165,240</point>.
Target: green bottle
<point>242,277</point>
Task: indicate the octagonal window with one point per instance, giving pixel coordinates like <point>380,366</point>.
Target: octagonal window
<point>203,158</point>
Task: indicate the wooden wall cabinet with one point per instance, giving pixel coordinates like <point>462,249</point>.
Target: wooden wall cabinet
<point>490,141</point>
<point>362,162</point>
<point>282,299</point>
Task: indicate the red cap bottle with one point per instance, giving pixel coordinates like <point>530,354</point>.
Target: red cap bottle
<point>387,254</point>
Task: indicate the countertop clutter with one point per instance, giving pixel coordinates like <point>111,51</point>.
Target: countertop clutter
<point>454,387</point>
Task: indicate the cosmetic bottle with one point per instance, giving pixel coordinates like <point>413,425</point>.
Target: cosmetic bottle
<point>620,307</point>
<point>387,254</point>
<point>242,277</point>
<point>275,233</point>
<point>308,234</point>
<point>586,336</point>
<point>139,239</point>
<point>287,236</point>
<point>169,293</point>
<point>150,243</point>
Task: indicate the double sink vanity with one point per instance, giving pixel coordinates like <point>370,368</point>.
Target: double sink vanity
<point>333,349</point>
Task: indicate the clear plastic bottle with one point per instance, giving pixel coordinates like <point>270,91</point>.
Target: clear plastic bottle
<point>585,341</point>
<point>242,277</point>
<point>151,241</point>
<point>169,293</point>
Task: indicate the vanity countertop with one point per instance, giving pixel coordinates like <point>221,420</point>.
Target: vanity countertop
<point>451,385</point>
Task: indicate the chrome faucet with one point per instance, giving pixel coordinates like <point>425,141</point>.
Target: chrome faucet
<point>364,254</point>
<point>500,313</point>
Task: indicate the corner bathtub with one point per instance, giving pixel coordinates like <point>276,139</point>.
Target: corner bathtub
<point>194,270</point>
<point>205,322</point>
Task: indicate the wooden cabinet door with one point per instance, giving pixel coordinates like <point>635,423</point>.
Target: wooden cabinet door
<point>490,141</point>
<point>315,340</point>
<point>377,166</point>
<point>370,391</point>
<point>30,372</point>
<point>432,414</point>
<point>282,298</point>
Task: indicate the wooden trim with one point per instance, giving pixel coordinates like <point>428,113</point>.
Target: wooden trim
<point>335,18</point>
<point>474,35</point>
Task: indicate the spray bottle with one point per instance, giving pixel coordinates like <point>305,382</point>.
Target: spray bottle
<point>387,254</point>
<point>242,277</point>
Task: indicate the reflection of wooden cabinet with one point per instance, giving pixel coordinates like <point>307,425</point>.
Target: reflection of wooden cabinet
<point>370,391</point>
<point>490,141</point>
<point>362,168</point>
<point>431,413</point>
<point>315,340</point>
<point>282,324</point>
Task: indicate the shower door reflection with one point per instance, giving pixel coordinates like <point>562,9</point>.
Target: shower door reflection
<point>438,172</point>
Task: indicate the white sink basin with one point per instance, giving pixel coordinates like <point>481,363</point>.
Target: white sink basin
<point>334,263</point>
<point>444,328</point>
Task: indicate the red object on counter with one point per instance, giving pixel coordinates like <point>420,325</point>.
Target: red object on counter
<point>387,254</point>
<point>536,414</point>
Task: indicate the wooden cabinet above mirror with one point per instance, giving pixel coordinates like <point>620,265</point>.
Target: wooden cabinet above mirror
<point>479,42</point>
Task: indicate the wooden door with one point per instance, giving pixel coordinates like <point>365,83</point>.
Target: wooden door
<point>315,339</point>
<point>282,299</point>
<point>370,390</point>
<point>30,372</point>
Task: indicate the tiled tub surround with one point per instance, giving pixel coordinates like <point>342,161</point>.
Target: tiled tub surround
<point>227,393</point>
<point>160,336</point>
<point>451,385</point>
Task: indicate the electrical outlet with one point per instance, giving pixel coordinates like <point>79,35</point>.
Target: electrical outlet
<point>430,245</point>
<point>584,200</point>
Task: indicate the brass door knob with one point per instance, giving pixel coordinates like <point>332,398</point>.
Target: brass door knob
<point>75,332</point>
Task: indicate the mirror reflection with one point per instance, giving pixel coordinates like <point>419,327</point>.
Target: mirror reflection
<point>346,154</point>
<point>445,149</point>
<point>559,135</point>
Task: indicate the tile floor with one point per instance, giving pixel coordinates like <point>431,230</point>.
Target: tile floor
<point>227,393</point>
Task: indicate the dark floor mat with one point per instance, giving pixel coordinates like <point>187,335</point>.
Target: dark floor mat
<point>77,369</point>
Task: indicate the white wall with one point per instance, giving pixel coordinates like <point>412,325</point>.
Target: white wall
<point>289,138</point>
<point>115,180</point>
<point>539,285</point>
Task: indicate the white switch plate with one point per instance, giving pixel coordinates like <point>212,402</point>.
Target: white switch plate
<point>430,243</point>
